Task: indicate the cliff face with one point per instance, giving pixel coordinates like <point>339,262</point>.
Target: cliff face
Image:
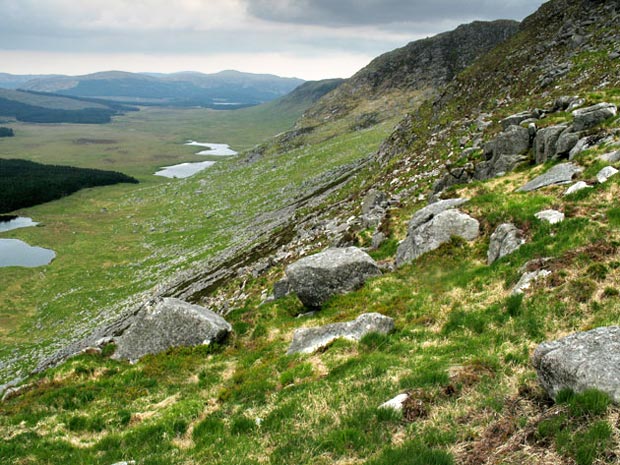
<point>419,66</point>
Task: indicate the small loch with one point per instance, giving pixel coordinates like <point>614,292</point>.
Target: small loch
<point>185,170</point>
<point>14,252</point>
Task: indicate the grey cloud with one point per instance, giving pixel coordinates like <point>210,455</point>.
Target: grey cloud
<point>384,12</point>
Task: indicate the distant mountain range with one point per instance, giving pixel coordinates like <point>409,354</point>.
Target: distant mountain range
<point>227,89</point>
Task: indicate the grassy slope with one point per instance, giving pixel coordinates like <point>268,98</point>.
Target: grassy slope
<point>47,101</point>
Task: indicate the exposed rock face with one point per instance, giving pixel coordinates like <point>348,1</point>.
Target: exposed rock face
<point>307,340</point>
<point>427,213</point>
<point>606,173</point>
<point>436,232</point>
<point>505,240</point>
<point>170,323</point>
<point>588,360</point>
<point>576,188</point>
<point>550,216</point>
<point>335,271</point>
<point>518,118</point>
<point>559,174</point>
<point>546,143</point>
<point>590,117</point>
<point>579,147</point>
<point>504,152</point>
<point>566,142</point>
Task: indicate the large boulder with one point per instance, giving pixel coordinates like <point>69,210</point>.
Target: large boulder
<point>505,240</point>
<point>586,118</point>
<point>559,174</point>
<point>307,340</point>
<point>587,360</point>
<point>424,215</point>
<point>169,323</point>
<point>566,143</point>
<point>504,153</point>
<point>372,200</point>
<point>436,232</point>
<point>546,142</point>
<point>334,271</point>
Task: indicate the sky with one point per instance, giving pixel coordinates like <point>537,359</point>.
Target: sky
<point>308,39</point>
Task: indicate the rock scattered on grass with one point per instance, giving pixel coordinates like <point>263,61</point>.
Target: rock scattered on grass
<point>396,403</point>
<point>581,361</point>
<point>559,174</point>
<point>578,186</point>
<point>606,173</point>
<point>317,278</point>
<point>170,323</point>
<point>307,340</point>
<point>589,117</point>
<point>550,216</point>
<point>506,239</point>
<point>527,279</point>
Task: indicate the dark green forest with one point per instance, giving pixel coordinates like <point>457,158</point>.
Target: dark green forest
<point>6,132</point>
<point>25,183</point>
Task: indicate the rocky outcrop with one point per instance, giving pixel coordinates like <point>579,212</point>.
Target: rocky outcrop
<point>519,118</point>
<point>307,340</point>
<point>504,152</point>
<point>586,118</point>
<point>505,240</point>
<point>374,208</point>
<point>317,278</point>
<point>559,174</point>
<point>587,360</point>
<point>547,141</point>
<point>550,216</point>
<point>428,231</point>
<point>170,323</point>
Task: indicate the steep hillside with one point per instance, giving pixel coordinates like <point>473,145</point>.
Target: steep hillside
<point>419,67</point>
<point>228,89</point>
<point>460,352</point>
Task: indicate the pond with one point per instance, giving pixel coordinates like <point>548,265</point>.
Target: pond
<point>14,252</point>
<point>8,223</point>
<point>185,170</point>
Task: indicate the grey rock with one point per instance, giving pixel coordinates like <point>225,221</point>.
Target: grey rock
<point>514,140</point>
<point>318,277</point>
<point>307,340</point>
<point>373,199</point>
<point>130,462</point>
<point>587,360</point>
<point>559,174</point>
<point>590,117</point>
<point>517,119</point>
<point>377,240</point>
<point>581,145</point>
<point>504,153</point>
<point>281,288</point>
<point>606,173</point>
<point>550,216</point>
<point>427,213</point>
<point>614,55</point>
<point>566,142</point>
<point>436,232</point>
<point>505,240</point>
<point>170,323</point>
<point>564,102</point>
<point>576,188</point>
<point>546,143</point>
<point>455,176</point>
<point>527,279</point>
<point>611,157</point>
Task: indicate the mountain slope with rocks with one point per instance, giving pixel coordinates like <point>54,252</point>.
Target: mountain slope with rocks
<point>473,318</point>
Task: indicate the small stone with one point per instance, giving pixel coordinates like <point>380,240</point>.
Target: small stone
<point>527,279</point>
<point>506,239</point>
<point>577,187</point>
<point>396,403</point>
<point>611,157</point>
<point>550,216</point>
<point>606,173</point>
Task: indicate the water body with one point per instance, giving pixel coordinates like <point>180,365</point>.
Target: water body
<point>219,150</point>
<point>14,252</point>
<point>185,170</point>
<point>15,223</point>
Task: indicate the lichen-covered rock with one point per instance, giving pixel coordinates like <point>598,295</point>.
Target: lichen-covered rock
<point>606,173</point>
<point>546,142</point>
<point>427,213</point>
<point>505,240</point>
<point>334,271</point>
<point>587,360</point>
<point>550,216</point>
<point>566,142</point>
<point>559,174</point>
<point>169,323</point>
<point>436,232</point>
<point>589,117</point>
<point>527,279</point>
<point>579,147</point>
<point>517,119</point>
<point>307,340</point>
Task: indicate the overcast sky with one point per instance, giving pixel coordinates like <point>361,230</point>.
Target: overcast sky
<point>310,39</point>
